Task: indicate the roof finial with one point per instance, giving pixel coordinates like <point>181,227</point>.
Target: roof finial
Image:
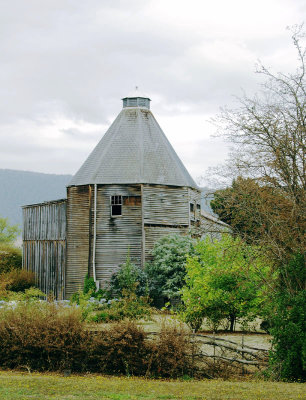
<point>136,99</point>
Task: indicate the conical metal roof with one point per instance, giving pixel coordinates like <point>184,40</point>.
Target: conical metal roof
<point>133,150</point>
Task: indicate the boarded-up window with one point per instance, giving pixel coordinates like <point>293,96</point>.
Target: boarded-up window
<point>132,200</point>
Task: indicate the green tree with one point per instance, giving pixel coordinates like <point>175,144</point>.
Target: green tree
<point>8,233</point>
<point>166,273</point>
<point>223,281</point>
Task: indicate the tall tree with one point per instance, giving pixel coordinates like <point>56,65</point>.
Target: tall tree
<point>266,204</point>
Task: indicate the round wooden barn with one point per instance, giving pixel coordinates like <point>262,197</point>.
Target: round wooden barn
<point>132,190</point>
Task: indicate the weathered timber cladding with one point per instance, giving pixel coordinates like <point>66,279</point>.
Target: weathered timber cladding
<point>166,211</point>
<point>78,203</point>
<point>166,205</point>
<point>44,245</point>
<point>195,215</point>
<point>119,234</point>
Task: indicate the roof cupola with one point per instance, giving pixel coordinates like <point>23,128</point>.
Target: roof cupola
<point>136,99</point>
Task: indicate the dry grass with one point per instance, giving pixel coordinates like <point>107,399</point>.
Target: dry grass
<point>17,386</point>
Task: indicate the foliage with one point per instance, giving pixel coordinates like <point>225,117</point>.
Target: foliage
<point>28,295</point>
<point>42,336</point>
<point>288,325</point>
<point>129,306</point>
<point>49,336</point>
<point>122,349</point>
<point>129,278</point>
<point>89,285</point>
<point>267,206</point>
<point>166,273</point>
<point>82,300</point>
<point>223,281</point>
<point>10,257</point>
<point>173,350</point>
<point>8,233</point>
<point>18,280</point>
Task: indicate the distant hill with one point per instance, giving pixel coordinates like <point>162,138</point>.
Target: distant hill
<point>19,188</point>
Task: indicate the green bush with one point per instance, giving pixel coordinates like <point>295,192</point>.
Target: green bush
<point>89,285</point>
<point>288,323</point>
<point>10,258</point>
<point>130,306</point>
<point>167,271</point>
<point>129,278</point>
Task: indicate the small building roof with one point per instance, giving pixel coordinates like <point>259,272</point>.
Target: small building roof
<point>134,150</point>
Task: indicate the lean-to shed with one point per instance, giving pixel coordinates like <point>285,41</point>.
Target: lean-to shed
<point>132,190</point>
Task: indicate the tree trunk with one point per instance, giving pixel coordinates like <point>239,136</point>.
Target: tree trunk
<point>232,319</point>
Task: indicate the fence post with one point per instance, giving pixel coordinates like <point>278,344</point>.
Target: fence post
<point>242,353</point>
<point>214,339</point>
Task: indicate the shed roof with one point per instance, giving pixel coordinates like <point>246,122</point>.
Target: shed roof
<point>133,150</point>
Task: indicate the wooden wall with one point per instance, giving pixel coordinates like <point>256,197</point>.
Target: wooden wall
<point>149,212</point>
<point>165,205</point>
<point>167,212</point>
<point>44,245</point>
<point>78,241</point>
<point>119,234</point>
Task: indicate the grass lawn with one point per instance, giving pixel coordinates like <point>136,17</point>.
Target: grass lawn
<point>15,386</point>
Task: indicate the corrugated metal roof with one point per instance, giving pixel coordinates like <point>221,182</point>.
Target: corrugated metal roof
<point>133,150</point>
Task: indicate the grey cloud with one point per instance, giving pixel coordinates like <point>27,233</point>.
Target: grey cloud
<point>76,59</point>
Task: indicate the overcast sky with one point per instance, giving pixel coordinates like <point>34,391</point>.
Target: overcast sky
<point>66,64</point>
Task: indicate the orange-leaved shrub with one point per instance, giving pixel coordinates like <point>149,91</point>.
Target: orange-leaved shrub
<point>45,336</point>
<point>18,280</point>
<point>173,350</point>
<point>42,336</point>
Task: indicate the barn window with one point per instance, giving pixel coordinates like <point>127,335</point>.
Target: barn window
<point>116,206</point>
<point>199,207</point>
<point>191,207</point>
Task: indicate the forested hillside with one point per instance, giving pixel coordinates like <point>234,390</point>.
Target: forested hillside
<point>18,188</point>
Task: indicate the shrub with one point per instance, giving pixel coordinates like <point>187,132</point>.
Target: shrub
<point>172,352</point>
<point>89,285</point>
<point>121,349</point>
<point>18,280</point>
<point>129,278</point>
<point>128,307</point>
<point>10,258</point>
<point>42,336</point>
<point>166,273</point>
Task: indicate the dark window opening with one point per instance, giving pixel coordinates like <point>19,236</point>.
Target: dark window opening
<point>191,207</point>
<point>199,207</point>
<point>116,206</point>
